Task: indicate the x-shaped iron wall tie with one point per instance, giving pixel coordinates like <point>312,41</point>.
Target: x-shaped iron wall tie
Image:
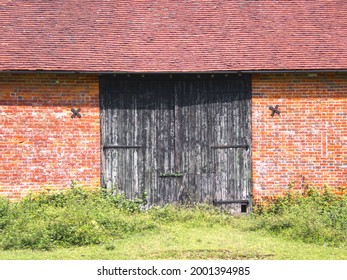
<point>274,110</point>
<point>76,113</point>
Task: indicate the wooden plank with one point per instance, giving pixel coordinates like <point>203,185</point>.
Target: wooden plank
<point>165,143</point>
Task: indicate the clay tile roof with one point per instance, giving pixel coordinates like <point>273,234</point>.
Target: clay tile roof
<point>173,35</point>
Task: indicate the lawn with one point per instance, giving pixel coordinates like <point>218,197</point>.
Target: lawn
<point>181,241</point>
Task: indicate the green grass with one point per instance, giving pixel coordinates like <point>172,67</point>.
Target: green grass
<point>177,241</point>
<point>85,225</point>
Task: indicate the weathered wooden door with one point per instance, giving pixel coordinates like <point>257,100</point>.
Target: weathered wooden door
<point>185,138</point>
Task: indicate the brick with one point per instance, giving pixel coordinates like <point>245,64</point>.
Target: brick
<point>41,145</point>
<point>307,137</point>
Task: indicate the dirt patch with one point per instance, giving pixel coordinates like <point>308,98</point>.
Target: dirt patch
<point>206,254</point>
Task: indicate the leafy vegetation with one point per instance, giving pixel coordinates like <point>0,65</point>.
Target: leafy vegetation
<point>79,217</point>
<point>4,205</point>
<point>314,216</point>
<point>85,218</point>
<point>74,217</point>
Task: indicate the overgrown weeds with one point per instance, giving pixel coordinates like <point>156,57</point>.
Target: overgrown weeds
<point>78,217</point>
<point>4,205</point>
<point>313,216</point>
<point>74,217</point>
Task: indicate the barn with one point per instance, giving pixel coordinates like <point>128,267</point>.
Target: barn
<point>225,102</point>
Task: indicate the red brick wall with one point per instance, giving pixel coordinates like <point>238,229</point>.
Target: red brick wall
<point>307,142</point>
<point>40,144</point>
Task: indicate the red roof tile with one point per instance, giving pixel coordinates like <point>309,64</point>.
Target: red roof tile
<point>173,36</point>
